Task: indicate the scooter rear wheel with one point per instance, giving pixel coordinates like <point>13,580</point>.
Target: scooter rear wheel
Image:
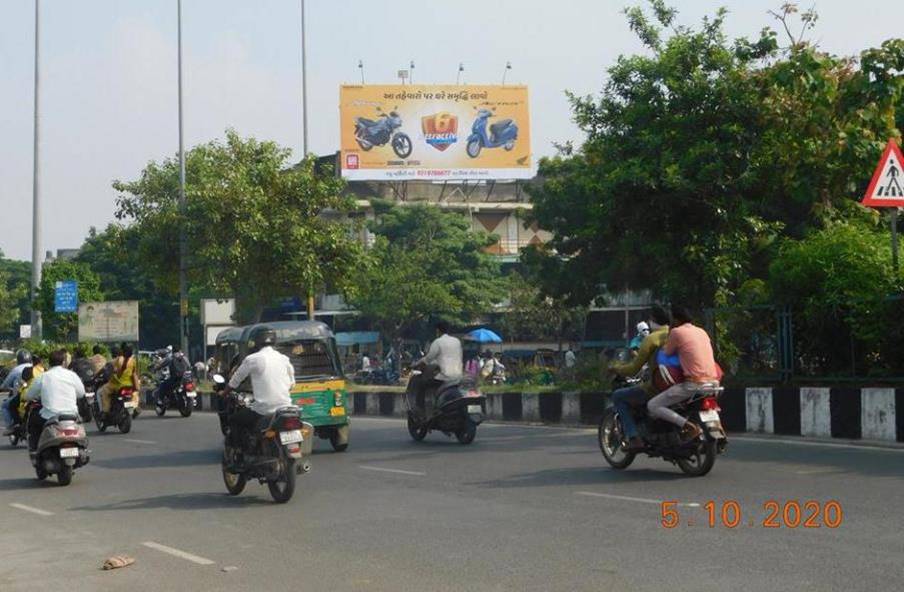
<point>467,434</point>
<point>64,477</point>
<point>418,432</point>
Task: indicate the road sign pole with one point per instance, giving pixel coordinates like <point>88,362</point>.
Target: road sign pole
<point>894,240</point>
<point>36,329</point>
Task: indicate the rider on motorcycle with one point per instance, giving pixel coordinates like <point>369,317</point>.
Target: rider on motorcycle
<point>123,374</point>
<point>58,390</point>
<point>23,361</point>
<point>695,351</point>
<point>272,375</point>
<point>442,363</point>
<point>177,364</point>
<point>624,399</point>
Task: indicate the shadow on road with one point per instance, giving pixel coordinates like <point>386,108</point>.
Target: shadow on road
<point>180,458</point>
<point>581,476</point>
<point>19,484</point>
<point>186,501</point>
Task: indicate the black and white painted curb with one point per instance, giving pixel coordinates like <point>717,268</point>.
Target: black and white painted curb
<point>817,412</point>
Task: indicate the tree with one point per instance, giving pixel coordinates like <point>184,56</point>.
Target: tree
<point>257,228</point>
<point>64,326</point>
<point>703,152</point>
<point>531,315</point>
<point>14,282</point>
<point>427,263</point>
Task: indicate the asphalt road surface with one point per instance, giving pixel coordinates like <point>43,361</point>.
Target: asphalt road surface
<point>523,508</point>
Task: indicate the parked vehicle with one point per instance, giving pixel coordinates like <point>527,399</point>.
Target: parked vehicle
<point>459,408</point>
<point>274,454</point>
<point>320,386</point>
<point>502,133</point>
<point>379,132</point>
<point>62,447</point>
<point>663,439</point>
<point>183,397</point>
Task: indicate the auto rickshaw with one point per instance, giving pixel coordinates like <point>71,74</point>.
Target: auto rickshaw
<point>320,389</point>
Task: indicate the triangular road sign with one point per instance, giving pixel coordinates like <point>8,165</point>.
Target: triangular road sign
<point>886,190</point>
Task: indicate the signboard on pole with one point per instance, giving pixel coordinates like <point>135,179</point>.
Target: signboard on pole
<point>65,296</point>
<point>108,321</point>
<point>886,189</point>
<point>24,331</point>
<point>434,132</point>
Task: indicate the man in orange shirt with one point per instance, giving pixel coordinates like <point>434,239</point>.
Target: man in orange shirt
<point>695,351</point>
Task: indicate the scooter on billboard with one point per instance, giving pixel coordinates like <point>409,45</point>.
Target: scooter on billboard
<point>370,133</point>
<point>502,133</point>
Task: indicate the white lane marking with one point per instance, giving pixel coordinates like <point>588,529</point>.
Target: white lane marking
<point>626,498</point>
<point>399,471</point>
<point>178,553</point>
<point>138,441</point>
<point>31,509</point>
<point>819,472</point>
<point>823,444</point>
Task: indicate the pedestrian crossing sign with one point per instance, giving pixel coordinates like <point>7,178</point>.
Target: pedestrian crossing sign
<point>886,189</point>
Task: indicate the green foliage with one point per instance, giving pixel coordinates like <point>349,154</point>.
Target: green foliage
<point>256,228</point>
<point>427,263</point>
<point>703,152</point>
<point>534,316</point>
<point>838,281</point>
<point>64,326</point>
<point>14,282</point>
<point>44,348</point>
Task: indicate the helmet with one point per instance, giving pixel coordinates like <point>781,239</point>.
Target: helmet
<point>169,349</point>
<point>643,328</point>
<point>23,356</point>
<point>261,337</point>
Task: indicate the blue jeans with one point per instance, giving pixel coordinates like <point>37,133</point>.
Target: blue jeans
<point>624,399</point>
<point>7,415</point>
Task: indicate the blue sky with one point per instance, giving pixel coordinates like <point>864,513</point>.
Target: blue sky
<point>109,74</point>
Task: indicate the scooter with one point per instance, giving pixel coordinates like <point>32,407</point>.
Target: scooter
<point>62,447</point>
<point>502,133</point>
<point>370,133</point>
<point>274,453</point>
<point>458,410</point>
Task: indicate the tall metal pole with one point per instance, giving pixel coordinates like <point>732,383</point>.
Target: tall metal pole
<point>894,240</point>
<point>36,192</point>
<point>183,287</point>
<point>304,125</point>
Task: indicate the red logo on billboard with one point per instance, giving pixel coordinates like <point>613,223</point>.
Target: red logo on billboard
<point>351,161</point>
<point>440,130</point>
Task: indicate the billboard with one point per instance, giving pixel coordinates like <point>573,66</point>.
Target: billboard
<point>108,321</point>
<point>434,132</point>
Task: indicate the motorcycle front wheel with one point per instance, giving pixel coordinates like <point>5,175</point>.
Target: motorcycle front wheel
<point>701,462</point>
<point>401,145</point>
<point>283,487</point>
<point>234,482</point>
<point>609,438</point>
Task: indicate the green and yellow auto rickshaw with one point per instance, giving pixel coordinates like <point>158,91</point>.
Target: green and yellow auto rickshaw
<point>320,389</point>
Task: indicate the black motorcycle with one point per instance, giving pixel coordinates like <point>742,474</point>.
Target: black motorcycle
<point>379,132</point>
<point>459,408</point>
<point>120,414</point>
<point>183,397</point>
<point>663,439</point>
<point>274,453</point>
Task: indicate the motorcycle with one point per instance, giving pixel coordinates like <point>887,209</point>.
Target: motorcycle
<point>274,453</point>
<point>120,415</point>
<point>458,410</point>
<point>370,133</point>
<point>663,439</point>
<point>183,397</point>
<point>62,447</point>
<point>502,133</point>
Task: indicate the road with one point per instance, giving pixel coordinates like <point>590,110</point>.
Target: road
<point>523,508</point>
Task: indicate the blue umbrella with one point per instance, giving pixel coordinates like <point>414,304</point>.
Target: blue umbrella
<point>483,336</point>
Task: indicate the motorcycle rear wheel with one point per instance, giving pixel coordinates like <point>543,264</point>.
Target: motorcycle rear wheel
<point>701,463</point>
<point>467,434</point>
<point>185,410</point>
<point>609,439</point>
<point>417,431</point>
<point>14,439</point>
<point>125,424</point>
<point>64,477</point>
<point>283,487</point>
<point>339,438</point>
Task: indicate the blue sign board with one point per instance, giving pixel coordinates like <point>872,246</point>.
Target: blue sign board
<point>66,296</point>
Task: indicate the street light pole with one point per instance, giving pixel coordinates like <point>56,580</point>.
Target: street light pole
<point>304,125</point>
<point>183,286</point>
<point>36,191</point>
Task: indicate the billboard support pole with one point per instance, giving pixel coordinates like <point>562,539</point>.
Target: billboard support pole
<point>361,68</point>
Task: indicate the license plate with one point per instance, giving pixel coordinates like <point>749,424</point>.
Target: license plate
<point>337,411</point>
<point>89,394</point>
<point>709,415</point>
<point>475,409</point>
<point>128,404</point>
<point>290,437</point>
<point>68,452</point>
<point>191,395</point>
